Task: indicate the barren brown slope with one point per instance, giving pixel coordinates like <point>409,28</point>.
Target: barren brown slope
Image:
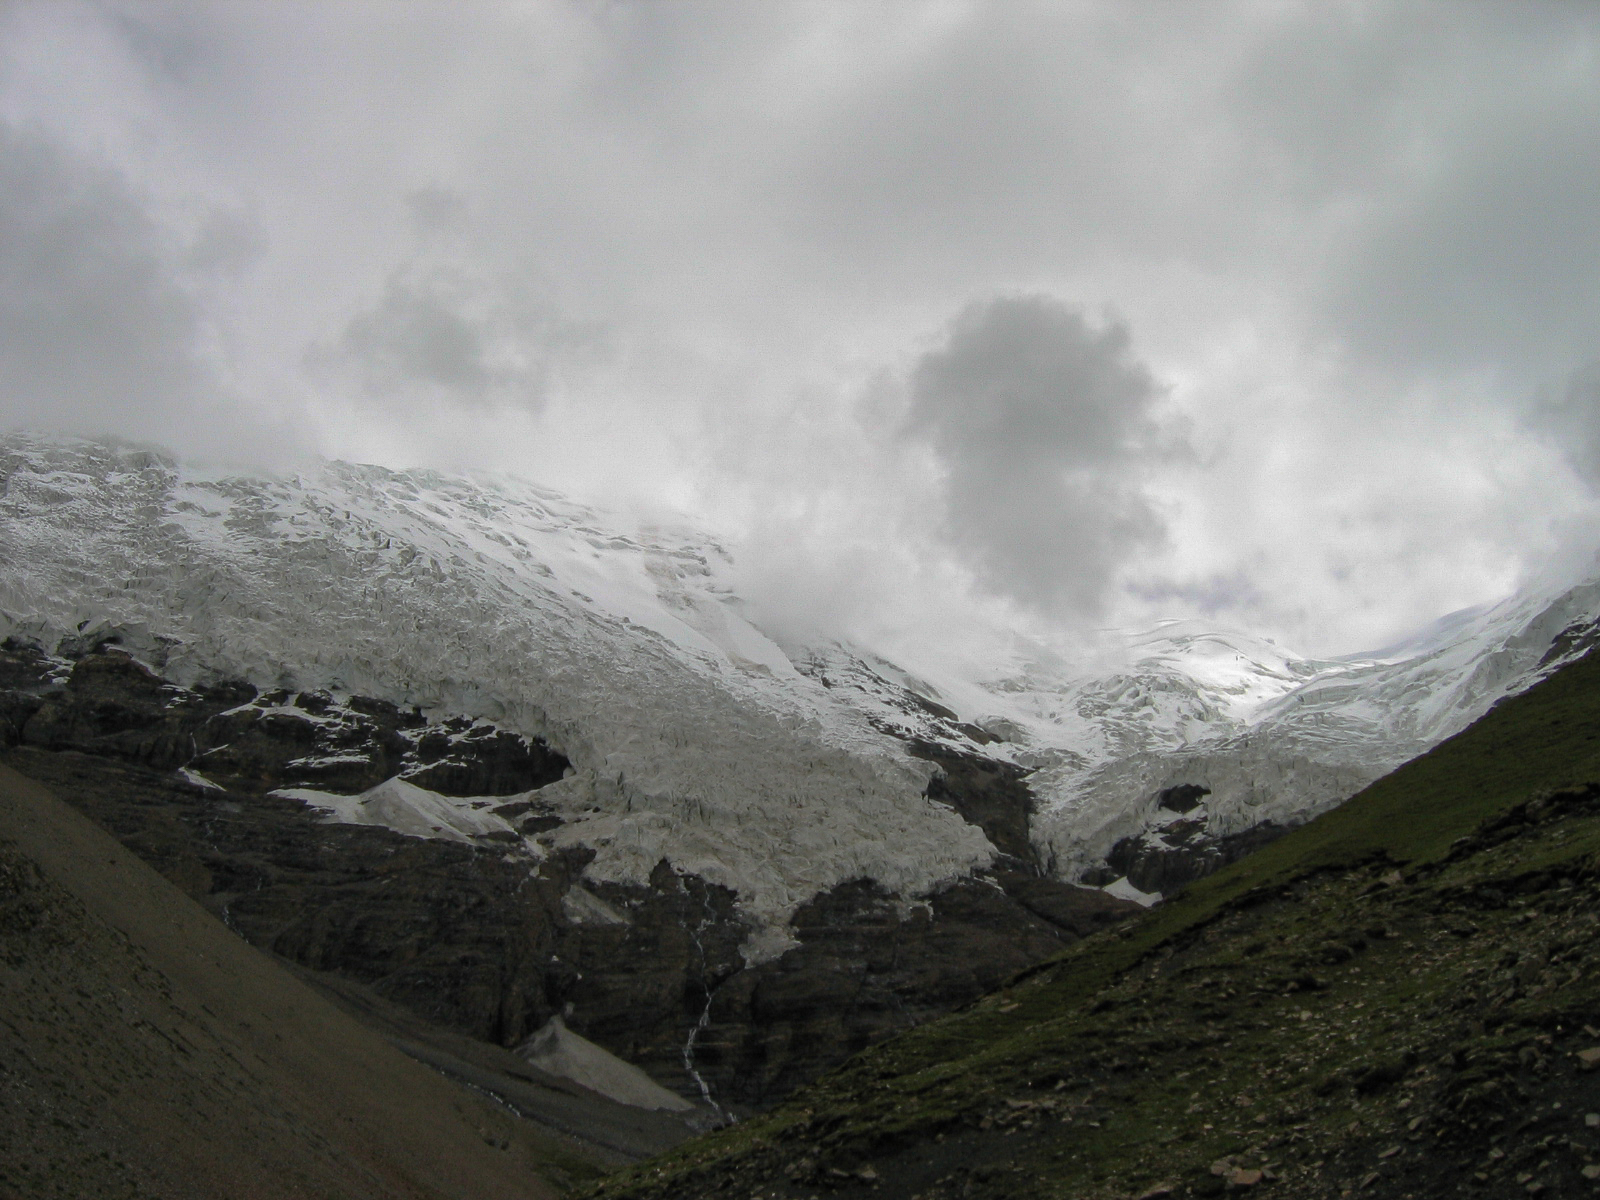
<point>147,1051</point>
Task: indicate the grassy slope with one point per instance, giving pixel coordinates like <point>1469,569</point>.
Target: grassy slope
<point>1146,1054</point>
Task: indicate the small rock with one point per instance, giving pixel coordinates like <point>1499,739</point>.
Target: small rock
<point>1393,879</point>
<point>1390,1152</point>
<point>1368,1180</point>
<point>1592,1120</point>
<point>1589,1059</point>
<point>1243,1177</point>
<point>867,1174</point>
<point>1159,1192</point>
<point>1222,1166</point>
<point>1592,1171</point>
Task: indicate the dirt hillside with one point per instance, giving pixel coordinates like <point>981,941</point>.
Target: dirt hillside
<point>146,1051</point>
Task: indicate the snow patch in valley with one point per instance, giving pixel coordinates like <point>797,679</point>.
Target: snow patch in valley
<point>412,810</point>
<point>558,1051</point>
<point>1123,890</point>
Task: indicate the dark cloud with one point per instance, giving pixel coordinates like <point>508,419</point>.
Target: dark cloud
<point>1233,592</point>
<point>435,208</point>
<point>227,243</point>
<point>1045,427</point>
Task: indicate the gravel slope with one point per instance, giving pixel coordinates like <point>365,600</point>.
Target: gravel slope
<point>145,1051</point>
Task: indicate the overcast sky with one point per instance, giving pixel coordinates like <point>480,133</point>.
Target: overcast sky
<point>1055,316</point>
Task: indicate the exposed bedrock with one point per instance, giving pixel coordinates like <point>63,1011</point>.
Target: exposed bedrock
<point>987,793</point>
<point>1168,861</point>
<point>1179,847</point>
<point>111,705</point>
<point>480,935</point>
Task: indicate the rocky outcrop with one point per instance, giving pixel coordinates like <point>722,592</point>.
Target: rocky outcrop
<point>869,964</point>
<point>1166,860</point>
<point>987,793</point>
<point>110,704</point>
<point>1179,846</point>
<point>492,937</point>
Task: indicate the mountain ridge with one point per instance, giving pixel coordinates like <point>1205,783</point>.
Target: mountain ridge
<point>693,735</point>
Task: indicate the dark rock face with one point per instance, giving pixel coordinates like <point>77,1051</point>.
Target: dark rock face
<point>868,965</point>
<point>487,940</point>
<point>1168,859</point>
<point>986,793</point>
<point>1182,797</point>
<point>111,705</point>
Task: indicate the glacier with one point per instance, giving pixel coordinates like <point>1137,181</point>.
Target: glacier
<point>779,771</point>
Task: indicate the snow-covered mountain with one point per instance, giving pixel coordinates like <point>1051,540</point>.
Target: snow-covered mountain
<point>777,771</point>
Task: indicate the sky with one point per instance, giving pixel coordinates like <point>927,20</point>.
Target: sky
<point>1035,319</point>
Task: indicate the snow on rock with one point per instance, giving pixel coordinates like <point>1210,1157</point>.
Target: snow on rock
<point>412,810</point>
<point>559,1051</point>
<point>583,907</point>
<point>1287,753</point>
<point>1123,890</point>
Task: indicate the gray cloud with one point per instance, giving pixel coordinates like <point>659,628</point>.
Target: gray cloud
<point>1570,418</point>
<point>654,249</point>
<point>94,330</point>
<point>1044,425</point>
<point>439,333</point>
<point>104,325</point>
<point>1456,149</point>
